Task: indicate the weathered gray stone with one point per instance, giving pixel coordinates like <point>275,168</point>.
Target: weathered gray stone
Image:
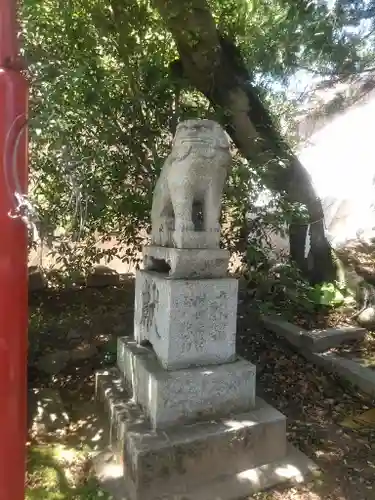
<point>350,370</point>
<point>103,276</point>
<point>367,318</point>
<point>36,279</point>
<point>53,362</point>
<point>186,263</point>
<point>177,397</point>
<point>50,414</point>
<point>294,468</point>
<point>194,173</point>
<point>188,322</point>
<point>188,458</point>
<point>313,340</point>
<point>322,340</point>
<point>295,335</point>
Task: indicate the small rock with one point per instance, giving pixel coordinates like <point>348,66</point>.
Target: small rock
<point>73,335</point>
<point>49,415</point>
<point>367,318</point>
<point>103,276</point>
<point>82,352</point>
<point>36,279</point>
<point>53,362</point>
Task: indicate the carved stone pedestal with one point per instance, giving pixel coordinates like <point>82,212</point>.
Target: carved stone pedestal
<point>186,395</point>
<point>184,418</point>
<point>201,457</point>
<point>188,322</point>
<point>185,421</point>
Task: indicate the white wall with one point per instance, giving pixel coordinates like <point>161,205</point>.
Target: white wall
<point>340,158</point>
<point>341,161</point>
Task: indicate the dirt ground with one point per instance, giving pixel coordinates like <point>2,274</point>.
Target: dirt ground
<point>314,402</point>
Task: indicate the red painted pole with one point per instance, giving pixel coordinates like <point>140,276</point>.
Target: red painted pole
<point>13,260</point>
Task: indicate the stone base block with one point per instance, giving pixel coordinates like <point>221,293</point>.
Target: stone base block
<point>223,458</point>
<point>176,397</point>
<point>188,322</point>
<point>294,468</point>
<point>186,263</point>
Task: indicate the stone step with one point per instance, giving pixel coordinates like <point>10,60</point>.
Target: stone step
<point>159,464</point>
<point>174,397</point>
<point>294,468</point>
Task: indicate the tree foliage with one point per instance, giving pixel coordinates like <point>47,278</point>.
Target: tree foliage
<point>104,104</point>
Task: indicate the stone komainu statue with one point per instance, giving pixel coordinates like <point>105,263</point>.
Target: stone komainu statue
<point>193,174</point>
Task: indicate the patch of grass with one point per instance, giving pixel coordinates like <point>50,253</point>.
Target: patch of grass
<point>59,473</point>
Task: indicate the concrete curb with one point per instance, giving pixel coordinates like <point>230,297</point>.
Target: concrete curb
<point>361,377</point>
<point>310,345</point>
<point>313,340</point>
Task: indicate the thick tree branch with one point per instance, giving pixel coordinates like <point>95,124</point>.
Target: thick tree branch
<point>215,67</point>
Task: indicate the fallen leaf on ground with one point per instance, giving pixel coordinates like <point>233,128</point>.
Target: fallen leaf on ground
<point>365,419</point>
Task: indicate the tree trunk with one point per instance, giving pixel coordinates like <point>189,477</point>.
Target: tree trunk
<point>215,67</point>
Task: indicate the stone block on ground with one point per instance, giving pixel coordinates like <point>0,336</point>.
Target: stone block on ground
<point>176,397</point>
<point>186,263</point>
<point>295,335</point>
<point>313,340</point>
<point>293,469</point>
<point>37,281</point>
<point>188,322</point>
<point>350,370</point>
<point>224,458</point>
<point>322,340</point>
<point>366,318</point>
<point>313,348</point>
<point>103,276</point>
